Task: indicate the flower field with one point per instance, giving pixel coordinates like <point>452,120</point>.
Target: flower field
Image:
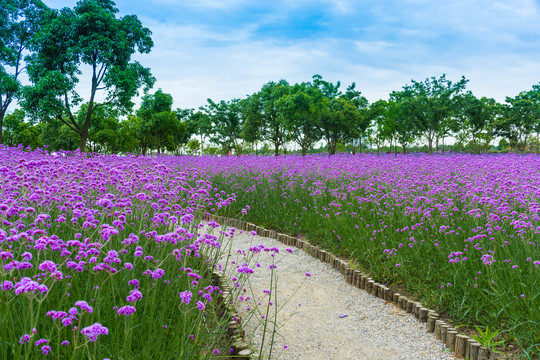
<point>100,258</point>
<point>460,232</point>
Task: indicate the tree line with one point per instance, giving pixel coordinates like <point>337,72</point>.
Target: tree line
<point>53,46</point>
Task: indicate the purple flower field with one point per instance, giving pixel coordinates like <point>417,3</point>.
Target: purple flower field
<point>460,232</point>
<point>101,253</point>
<point>100,257</point>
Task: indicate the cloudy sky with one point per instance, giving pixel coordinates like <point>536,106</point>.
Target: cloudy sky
<point>225,49</point>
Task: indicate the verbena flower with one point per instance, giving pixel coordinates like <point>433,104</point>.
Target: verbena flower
<point>126,310</point>
<point>94,330</point>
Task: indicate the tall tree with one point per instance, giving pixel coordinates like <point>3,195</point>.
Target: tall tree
<point>521,118</point>
<point>158,122</point>
<point>341,117</point>
<point>479,116</point>
<point>226,119</point>
<point>197,123</point>
<point>89,34</point>
<point>19,21</point>
<point>432,103</point>
<point>398,113</point>
<point>263,121</point>
<point>302,109</point>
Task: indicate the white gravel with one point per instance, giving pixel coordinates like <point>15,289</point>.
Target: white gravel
<point>373,329</point>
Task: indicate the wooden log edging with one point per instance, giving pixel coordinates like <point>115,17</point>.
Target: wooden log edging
<point>240,348</point>
<point>462,345</point>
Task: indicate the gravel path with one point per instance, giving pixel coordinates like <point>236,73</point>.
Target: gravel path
<point>317,329</point>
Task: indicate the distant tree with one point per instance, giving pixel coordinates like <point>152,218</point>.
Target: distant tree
<point>129,139</point>
<point>361,121</point>
<point>103,134</point>
<point>19,21</point>
<point>89,34</point>
<point>383,127</point>
<point>302,109</point>
<point>197,123</point>
<point>158,124</point>
<point>58,136</point>
<point>521,118</point>
<point>401,119</point>
<point>263,120</point>
<point>341,117</point>
<point>432,103</point>
<point>12,126</point>
<point>478,116</point>
<point>226,120</point>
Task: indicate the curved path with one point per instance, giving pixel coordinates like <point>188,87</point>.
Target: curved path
<point>335,320</point>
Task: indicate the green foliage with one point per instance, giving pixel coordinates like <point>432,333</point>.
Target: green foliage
<point>159,127</point>
<point>225,118</point>
<point>302,109</point>
<point>521,117</point>
<point>431,105</point>
<point>262,119</point>
<point>92,35</point>
<point>19,21</point>
<point>486,338</point>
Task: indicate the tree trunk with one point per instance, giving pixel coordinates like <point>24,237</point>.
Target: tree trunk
<point>276,148</point>
<point>378,148</point>
<point>404,149</point>
<point>360,145</point>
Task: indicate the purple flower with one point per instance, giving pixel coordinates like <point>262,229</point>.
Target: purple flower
<point>158,273</point>
<point>134,282</point>
<point>308,274</point>
<point>84,306</point>
<point>126,310</point>
<point>24,339</point>
<point>185,296</point>
<point>56,314</point>
<point>27,285</point>
<point>200,305</point>
<point>41,342</point>
<point>45,350</point>
<point>134,295</point>
<point>6,285</point>
<point>65,343</point>
<point>93,331</point>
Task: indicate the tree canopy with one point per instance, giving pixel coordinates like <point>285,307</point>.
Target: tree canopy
<point>89,34</point>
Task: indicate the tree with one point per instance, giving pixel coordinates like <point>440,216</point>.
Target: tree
<point>302,109</point>
<point>158,124</point>
<point>19,21</point>
<point>383,127</point>
<point>263,121</point>
<point>432,103</point>
<point>129,141</point>
<point>103,134</point>
<point>402,120</point>
<point>12,126</point>
<point>478,116</point>
<point>521,117</point>
<point>89,34</point>
<point>341,115</point>
<point>362,121</point>
<point>226,120</point>
<point>197,123</point>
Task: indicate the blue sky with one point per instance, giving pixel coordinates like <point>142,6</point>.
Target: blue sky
<point>225,49</point>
